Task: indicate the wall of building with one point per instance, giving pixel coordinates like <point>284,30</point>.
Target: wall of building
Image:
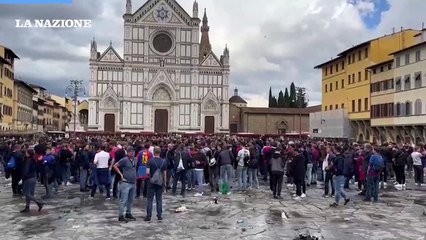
<point>382,94</point>
<point>408,95</point>
<point>333,85</point>
<point>330,124</point>
<point>268,123</point>
<point>234,118</point>
<point>6,93</point>
<point>23,107</point>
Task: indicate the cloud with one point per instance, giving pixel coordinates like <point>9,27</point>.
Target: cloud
<point>271,44</point>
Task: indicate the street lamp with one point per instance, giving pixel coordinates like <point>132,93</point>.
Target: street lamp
<point>74,90</point>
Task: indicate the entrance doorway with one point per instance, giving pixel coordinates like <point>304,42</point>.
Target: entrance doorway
<point>109,123</point>
<point>209,124</point>
<point>161,124</point>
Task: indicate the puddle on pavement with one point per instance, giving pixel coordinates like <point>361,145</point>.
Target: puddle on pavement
<point>274,216</point>
<point>38,226</point>
<point>240,205</point>
<point>376,216</point>
<point>420,202</point>
<point>385,195</point>
<point>213,212</point>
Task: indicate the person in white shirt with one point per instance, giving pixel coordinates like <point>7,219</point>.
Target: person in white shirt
<point>418,166</point>
<point>102,173</point>
<point>243,157</point>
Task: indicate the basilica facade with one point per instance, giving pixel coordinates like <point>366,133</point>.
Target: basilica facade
<point>168,79</point>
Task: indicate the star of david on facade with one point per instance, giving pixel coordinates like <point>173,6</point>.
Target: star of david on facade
<point>163,13</point>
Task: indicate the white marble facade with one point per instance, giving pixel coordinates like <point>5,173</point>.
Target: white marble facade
<point>161,68</point>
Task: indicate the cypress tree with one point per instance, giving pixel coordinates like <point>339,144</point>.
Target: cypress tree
<point>293,97</point>
<point>281,102</point>
<point>274,102</point>
<point>270,97</point>
<point>286,99</point>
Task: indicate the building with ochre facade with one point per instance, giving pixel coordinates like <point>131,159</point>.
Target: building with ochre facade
<point>346,79</point>
<point>7,76</point>
<point>398,104</point>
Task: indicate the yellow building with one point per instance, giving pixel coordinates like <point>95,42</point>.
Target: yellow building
<point>83,112</point>
<point>382,101</point>
<point>7,60</point>
<point>346,79</point>
<point>66,110</point>
<point>48,115</point>
<point>22,106</point>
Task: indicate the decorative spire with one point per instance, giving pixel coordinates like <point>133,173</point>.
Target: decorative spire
<point>195,9</point>
<point>93,50</point>
<point>236,91</point>
<point>226,51</point>
<point>94,45</point>
<point>225,57</point>
<point>205,19</point>
<point>128,6</point>
<point>205,46</point>
<point>110,43</point>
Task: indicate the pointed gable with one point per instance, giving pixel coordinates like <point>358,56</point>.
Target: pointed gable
<point>210,102</point>
<point>161,79</point>
<point>110,55</point>
<point>211,61</point>
<point>162,11</point>
<point>109,99</point>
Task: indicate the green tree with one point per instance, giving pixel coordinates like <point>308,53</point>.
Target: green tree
<point>270,97</point>
<point>274,103</point>
<point>293,96</point>
<point>287,100</point>
<point>281,102</point>
<point>302,99</point>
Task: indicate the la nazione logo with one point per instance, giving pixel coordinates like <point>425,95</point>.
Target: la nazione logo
<point>48,23</point>
<point>35,1</point>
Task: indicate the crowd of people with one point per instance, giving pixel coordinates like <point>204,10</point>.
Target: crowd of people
<point>134,167</point>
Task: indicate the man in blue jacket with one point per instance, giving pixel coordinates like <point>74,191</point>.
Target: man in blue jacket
<point>338,164</point>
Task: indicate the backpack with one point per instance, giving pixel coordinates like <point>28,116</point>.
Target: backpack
<point>157,178</point>
<point>11,164</point>
<point>246,160</point>
<point>379,165</point>
<point>253,163</point>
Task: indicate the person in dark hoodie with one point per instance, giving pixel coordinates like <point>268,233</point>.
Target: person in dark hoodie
<point>182,162</point>
<point>299,171</point>
<point>14,169</point>
<point>83,161</point>
<point>224,161</point>
<point>368,152</point>
<point>338,164</point>
<point>400,160</point>
<point>29,177</point>
<point>348,167</point>
<point>49,165</point>
<point>277,176</point>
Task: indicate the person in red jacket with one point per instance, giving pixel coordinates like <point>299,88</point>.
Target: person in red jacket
<point>361,174</point>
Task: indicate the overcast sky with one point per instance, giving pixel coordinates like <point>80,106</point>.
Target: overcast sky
<point>272,43</point>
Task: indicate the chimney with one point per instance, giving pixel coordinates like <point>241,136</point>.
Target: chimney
<point>236,92</point>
